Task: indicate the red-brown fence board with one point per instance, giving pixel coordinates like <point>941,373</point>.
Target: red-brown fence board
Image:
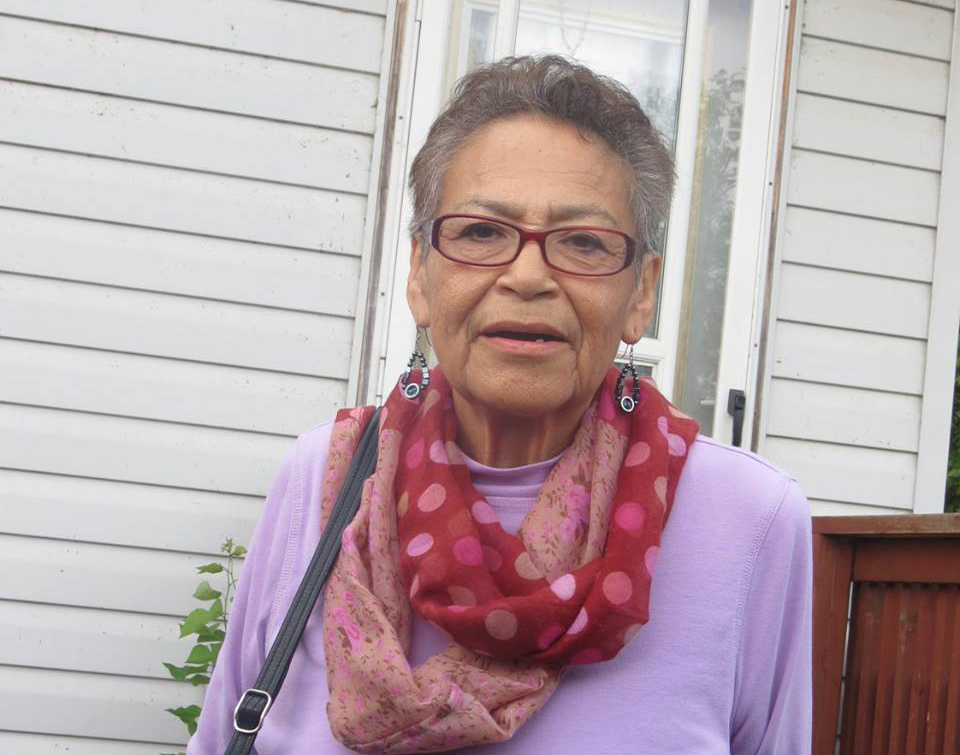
<point>901,693</point>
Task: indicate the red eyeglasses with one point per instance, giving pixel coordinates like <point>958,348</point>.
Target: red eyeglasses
<point>488,242</point>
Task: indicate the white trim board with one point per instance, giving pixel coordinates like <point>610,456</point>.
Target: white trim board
<point>938,384</point>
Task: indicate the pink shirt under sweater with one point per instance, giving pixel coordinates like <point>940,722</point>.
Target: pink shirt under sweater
<point>722,666</point>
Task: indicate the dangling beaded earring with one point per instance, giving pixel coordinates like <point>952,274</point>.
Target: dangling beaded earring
<point>628,403</point>
<point>413,390</point>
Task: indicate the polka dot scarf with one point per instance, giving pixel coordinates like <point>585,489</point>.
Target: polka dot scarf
<point>572,587</point>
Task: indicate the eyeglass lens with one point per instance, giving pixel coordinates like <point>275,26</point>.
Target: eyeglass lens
<point>575,250</point>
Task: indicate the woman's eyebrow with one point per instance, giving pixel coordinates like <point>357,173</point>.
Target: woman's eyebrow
<point>558,213</point>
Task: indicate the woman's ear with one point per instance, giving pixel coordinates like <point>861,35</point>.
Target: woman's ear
<point>417,285</point>
<point>643,300</point>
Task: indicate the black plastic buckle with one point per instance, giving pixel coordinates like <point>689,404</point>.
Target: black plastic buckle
<point>245,720</point>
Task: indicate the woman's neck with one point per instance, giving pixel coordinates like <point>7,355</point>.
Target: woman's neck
<point>498,439</point>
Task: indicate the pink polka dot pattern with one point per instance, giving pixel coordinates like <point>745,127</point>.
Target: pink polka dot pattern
<point>579,623</point>
<point>676,446</point>
<point>617,587</point>
<point>525,567</point>
<point>492,558</point>
<point>639,453</point>
<point>414,455</point>
<point>432,498</point>
<point>420,544</point>
<point>630,516</point>
<point>484,513</point>
<point>501,624</point>
<point>415,585</point>
<point>650,558</point>
<point>438,454</point>
<point>462,596</point>
<point>632,631</point>
<point>564,586</point>
<point>468,552</point>
<point>403,504</point>
<point>660,488</point>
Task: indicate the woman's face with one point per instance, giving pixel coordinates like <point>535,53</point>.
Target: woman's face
<point>538,174</point>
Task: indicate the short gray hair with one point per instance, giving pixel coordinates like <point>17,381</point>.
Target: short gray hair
<point>565,91</point>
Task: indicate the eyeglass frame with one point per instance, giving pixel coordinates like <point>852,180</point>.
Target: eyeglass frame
<point>538,236</point>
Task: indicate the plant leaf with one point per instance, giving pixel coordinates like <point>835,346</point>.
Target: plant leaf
<point>182,672</point>
<point>200,654</point>
<point>200,679</point>
<point>215,611</point>
<point>196,620</point>
<point>205,592</point>
<point>211,568</point>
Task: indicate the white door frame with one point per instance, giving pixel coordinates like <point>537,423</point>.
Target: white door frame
<point>750,235</point>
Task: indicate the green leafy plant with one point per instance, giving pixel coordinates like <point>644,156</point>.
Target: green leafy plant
<point>952,502</point>
<point>209,625</point>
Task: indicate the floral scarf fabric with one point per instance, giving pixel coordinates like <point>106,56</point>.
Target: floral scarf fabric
<point>572,587</point>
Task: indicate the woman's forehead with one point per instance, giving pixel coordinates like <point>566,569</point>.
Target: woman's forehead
<point>527,167</point>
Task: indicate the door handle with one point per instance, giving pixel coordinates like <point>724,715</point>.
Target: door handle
<point>736,404</point>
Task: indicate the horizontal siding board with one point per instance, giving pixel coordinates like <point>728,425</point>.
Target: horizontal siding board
<point>868,132</point>
<point>380,6</point>
<point>125,514</point>
<point>143,258</point>
<point>148,132</point>
<point>120,513</point>
<point>179,200</point>
<point>88,380</point>
<point>93,705</point>
<point>101,317</point>
<point>837,414</point>
<point>130,450</point>
<point>835,508</point>
<point>848,358</point>
<point>854,301</point>
<point>85,639</point>
<point>867,245</point>
<point>860,187</point>
<point>847,474</point>
<point>99,576</point>
<point>49,744</point>
<point>873,76</point>
<point>888,24</point>
<point>312,34</point>
<point>109,63</point>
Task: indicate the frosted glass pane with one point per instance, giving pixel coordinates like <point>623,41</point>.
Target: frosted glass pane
<point>711,216</point>
<point>637,42</point>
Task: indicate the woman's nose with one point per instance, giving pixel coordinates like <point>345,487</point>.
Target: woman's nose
<point>529,274</point>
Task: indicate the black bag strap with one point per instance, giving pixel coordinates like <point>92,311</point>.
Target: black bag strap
<point>255,702</point>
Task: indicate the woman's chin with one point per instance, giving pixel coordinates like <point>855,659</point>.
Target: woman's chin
<point>523,393</point>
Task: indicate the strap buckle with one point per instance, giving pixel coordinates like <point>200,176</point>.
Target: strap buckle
<point>250,725</point>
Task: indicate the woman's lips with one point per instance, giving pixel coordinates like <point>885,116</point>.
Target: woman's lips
<point>526,346</point>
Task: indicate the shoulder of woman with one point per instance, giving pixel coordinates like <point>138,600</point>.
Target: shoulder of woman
<point>742,485</point>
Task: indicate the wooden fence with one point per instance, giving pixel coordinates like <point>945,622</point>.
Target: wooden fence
<point>886,647</point>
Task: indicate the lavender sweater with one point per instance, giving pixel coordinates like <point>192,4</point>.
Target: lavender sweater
<point>723,665</point>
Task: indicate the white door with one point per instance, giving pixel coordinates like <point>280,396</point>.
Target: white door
<point>687,64</point>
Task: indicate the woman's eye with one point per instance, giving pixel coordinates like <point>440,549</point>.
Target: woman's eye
<point>585,242</point>
<point>481,231</point>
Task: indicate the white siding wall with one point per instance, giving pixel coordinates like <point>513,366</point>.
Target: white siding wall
<point>852,309</point>
<point>183,198</point>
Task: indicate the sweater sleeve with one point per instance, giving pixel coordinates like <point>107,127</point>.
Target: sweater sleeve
<point>243,650</point>
<point>773,702</point>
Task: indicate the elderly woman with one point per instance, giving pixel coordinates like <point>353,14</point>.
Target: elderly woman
<point>548,557</point>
